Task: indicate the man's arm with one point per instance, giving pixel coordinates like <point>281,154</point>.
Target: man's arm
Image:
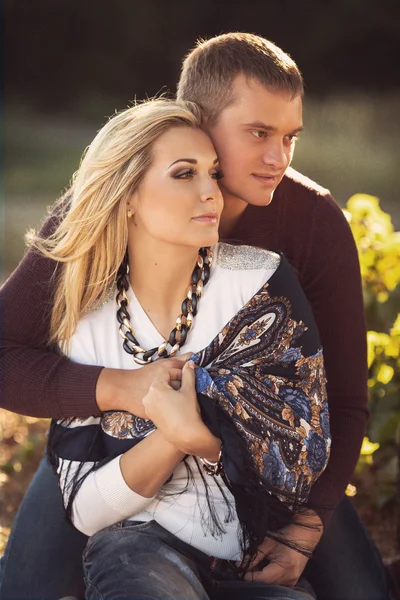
<point>306,224</point>
<point>334,289</point>
<point>35,379</point>
<point>325,257</point>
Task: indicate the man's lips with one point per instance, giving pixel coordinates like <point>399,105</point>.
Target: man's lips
<point>211,217</point>
<point>269,180</point>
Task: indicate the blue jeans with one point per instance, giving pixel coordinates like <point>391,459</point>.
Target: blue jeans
<point>137,561</point>
<point>43,555</point>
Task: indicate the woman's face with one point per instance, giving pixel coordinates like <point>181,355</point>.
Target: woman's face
<point>179,201</point>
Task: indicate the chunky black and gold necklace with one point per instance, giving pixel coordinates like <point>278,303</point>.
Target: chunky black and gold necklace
<point>177,337</point>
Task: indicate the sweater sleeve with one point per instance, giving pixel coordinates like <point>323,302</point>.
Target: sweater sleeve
<point>333,287</point>
<point>36,380</point>
<point>104,499</point>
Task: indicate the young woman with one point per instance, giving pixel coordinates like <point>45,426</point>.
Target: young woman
<point>177,499</point>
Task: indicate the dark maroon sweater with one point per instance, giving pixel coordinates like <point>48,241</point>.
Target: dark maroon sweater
<point>304,222</point>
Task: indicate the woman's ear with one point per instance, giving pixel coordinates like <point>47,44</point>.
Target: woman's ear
<point>133,202</point>
<point>130,211</point>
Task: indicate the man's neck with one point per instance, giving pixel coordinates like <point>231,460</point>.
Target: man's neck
<point>233,209</point>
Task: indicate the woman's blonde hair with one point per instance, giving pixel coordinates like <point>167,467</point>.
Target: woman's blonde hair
<point>92,236</point>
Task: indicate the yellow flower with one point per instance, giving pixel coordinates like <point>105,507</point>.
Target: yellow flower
<point>368,447</point>
<point>385,374</point>
<point>396,327</point>
<point>365,208</point>
<point>351,490</point>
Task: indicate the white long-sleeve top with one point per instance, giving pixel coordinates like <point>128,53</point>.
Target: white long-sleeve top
<point>104,498</point>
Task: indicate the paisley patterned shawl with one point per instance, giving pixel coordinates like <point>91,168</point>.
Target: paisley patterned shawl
<point>265,371</point>
<point>261,388</point>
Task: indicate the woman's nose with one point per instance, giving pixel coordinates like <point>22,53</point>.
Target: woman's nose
<point>211,192</point>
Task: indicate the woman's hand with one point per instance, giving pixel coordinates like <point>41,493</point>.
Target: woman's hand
<point>176,414</point>
<point>119,389</point>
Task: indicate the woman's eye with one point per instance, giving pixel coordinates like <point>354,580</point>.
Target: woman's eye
<point>186,174</point>
<point>217,174</point>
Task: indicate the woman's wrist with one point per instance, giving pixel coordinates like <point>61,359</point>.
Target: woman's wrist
<point>199,441</point>
<point>147,465</point>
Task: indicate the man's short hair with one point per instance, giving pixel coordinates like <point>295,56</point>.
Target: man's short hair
<point>208,71</point>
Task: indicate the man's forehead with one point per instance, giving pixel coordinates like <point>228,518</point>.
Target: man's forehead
<point>254,104</point>
<point>250,87</point>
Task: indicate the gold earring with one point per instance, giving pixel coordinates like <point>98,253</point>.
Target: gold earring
<point>130,213</point>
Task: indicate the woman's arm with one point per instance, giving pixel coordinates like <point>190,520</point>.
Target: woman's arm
<point>176,413</point>
<point>124,486</point>
<point>127,484</point>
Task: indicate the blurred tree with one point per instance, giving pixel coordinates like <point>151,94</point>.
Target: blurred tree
<point>61,54</point>
<point>379,251</point>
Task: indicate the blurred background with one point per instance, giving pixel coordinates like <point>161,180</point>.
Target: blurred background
<point>70,64</point>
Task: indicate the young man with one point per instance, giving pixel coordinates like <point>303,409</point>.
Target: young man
<point>250,92</point>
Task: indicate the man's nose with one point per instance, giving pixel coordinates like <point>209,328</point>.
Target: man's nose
<point>275,155</point>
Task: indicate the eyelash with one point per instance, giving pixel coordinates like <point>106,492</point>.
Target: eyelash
<point>189,173</point>
<point>218,174</point>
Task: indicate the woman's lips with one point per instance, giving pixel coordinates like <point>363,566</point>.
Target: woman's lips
<point>207,218</point>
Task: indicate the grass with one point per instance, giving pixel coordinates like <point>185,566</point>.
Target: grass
<point>22,441</point>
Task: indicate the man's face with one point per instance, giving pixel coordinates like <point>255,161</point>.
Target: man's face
<point>255,139</point>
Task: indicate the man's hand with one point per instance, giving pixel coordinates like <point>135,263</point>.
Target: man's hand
<point>285,565</point>
<point>120,389</point>
<point>176,414</point>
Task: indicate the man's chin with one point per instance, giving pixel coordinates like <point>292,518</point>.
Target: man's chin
<point>254,198</point>
<point>261,199</point>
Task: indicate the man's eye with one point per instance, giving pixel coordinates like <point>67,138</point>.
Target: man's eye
<point>293,137</point>
<point>259,133</point>
<point>186,174</point>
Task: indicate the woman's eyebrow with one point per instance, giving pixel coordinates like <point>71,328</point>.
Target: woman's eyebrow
<point>192,161</point>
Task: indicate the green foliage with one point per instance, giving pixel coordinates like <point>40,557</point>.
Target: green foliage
<point>379,252</point>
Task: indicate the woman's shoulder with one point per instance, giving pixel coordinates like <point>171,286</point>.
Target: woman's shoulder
<point>238,273</point>
<point>245,258</point>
